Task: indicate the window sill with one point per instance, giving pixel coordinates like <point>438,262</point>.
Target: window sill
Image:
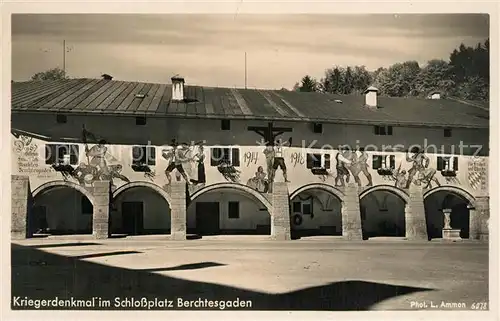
<point>141,168</point>
<point>319,171</point>
<point>449,173</point>
<point>62,168</point>
<point>385,171</point>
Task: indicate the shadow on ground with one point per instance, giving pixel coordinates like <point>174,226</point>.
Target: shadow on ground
<point>65,245</point>
<point>65,277</point>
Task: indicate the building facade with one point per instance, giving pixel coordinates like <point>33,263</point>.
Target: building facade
<point>107,157</point>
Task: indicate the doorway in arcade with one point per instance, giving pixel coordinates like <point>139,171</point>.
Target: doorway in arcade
<point>60,210</point>
<point>225,211</point>
<point>382,214</point>
<point>315,212</point>
<point>139,210</point>
<point>434,216</point>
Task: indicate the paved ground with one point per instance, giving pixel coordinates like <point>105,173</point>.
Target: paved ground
<point>307,274</point>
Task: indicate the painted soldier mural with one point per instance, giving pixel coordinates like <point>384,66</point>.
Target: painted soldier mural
<point>420,168</point>
<point>176,156</point>
<point>348,161</point>
<point>275,158</point>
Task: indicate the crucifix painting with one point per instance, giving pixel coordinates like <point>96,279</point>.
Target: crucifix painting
<point>274,150</point>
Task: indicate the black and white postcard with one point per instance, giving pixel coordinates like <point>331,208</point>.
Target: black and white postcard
<point>239,161</point>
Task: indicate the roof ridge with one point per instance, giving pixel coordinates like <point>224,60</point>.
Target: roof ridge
<point>468,103</point>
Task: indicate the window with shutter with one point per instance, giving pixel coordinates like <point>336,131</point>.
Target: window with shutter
<point>50,154</point>
<point>59,153</point>
<point>440,163</point>
<point>455,163</point>
<point>309,161</point>
<point>136,154</point>
<point>151,154</point>
<point>74,154</point>
<point>216,156</point>
<point>226,155</point>
<point>377,161</point>
<point>316,160</point>
<point>392,161</point>
<point>327,161</point>
<point>235,157</point>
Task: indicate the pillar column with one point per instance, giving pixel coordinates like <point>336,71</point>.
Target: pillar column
<point>20,206</point>
<point>479,219</point>
<point>280,216</point>
<point>416,226</point>
<point>351,214</point>
<point>178,210</point>
<point>101,206</point>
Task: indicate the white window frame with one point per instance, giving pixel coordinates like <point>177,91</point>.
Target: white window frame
<point>230,153</point>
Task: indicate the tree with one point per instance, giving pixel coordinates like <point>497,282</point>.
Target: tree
<point>333,81</point>
<point>398,80</point>
<point>470,68</point>
<point>435,76</point>
<point>51,74</point>
<point>308,84</point>
<point>473,88</point>
<point>362,79</point>
<point>347,82</point>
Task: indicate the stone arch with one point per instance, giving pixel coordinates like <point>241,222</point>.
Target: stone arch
<point>149,185</point>
<point>40,189</point>
<point>455,190</point>
<point>325,187</point>
<point>240,187</point>
<point>386,188</point>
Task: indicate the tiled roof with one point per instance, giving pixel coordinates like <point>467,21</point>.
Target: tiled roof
<point>99,96</point>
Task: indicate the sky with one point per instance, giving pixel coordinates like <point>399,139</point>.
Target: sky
<point>209,50</point>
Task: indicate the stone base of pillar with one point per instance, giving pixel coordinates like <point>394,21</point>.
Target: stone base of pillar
<point>280,216</point>
<point>451,234</point>
<point>415,223</point>
<point>479,220</point>
<point>178,192</point>
<point>100,221</point>
<point>351,215</point>
<point>20,202</point>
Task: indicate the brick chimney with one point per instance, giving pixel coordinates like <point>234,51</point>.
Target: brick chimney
<point>178,88</point>
<point>371,97</point>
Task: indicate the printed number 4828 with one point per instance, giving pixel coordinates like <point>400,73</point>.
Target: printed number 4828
<point>479,306</point>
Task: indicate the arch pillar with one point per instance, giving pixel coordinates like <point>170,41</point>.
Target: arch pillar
<point>178,210</point>
<point>101,191</point>
<point>280,215</point>
<point>20,203</point>
<point>478,219</point>
<point>416,225</point>
<point>351,218</point>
